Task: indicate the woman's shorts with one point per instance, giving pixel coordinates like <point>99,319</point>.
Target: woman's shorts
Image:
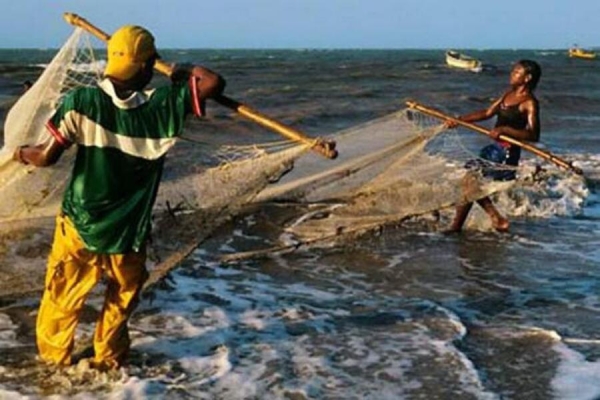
<point>496,162</point>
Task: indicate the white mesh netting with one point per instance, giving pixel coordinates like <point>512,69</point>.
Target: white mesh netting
<point>391,168</point>
<point>33,192</point>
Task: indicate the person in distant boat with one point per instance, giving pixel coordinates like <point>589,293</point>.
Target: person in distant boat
<point>518,116</point>
<point>122,133</point>
<point>27,85</point>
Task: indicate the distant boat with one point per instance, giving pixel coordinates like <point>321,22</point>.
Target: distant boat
<point>458,60</point>
<point>576,52</point>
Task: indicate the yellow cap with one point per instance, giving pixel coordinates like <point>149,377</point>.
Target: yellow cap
<point>128,48</point>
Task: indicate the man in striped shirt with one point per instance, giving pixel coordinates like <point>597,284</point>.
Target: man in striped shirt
<point>122,132</point>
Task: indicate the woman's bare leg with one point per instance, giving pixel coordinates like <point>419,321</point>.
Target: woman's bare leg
<point>462,212</point>
<point>499,223</point>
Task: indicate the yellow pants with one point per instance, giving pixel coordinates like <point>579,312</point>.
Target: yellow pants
<point>72,272</point>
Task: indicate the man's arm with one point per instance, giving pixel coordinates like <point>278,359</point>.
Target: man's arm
<point>204,82</point>
<point>209,83</point>
<point>42,155</point>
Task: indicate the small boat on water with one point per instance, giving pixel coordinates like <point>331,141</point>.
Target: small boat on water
<point>458,60</point>
<point>576,52</point>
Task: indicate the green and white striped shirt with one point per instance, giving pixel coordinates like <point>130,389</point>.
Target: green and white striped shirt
<point>121,146</point>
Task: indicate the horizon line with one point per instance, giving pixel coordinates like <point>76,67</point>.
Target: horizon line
<point>333,48</point>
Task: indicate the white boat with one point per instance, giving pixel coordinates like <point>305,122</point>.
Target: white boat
<point>458,60</point>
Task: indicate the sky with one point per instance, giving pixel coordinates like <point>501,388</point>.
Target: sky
<point>381,24</point>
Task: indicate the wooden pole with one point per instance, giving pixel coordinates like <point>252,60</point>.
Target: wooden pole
<point>526,146</point>
<point>323,147</point>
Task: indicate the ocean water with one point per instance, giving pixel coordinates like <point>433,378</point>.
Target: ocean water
<point>407,312</point>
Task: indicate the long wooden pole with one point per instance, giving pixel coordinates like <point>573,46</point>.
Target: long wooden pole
<point>526,146</point>
<point>323,147</point>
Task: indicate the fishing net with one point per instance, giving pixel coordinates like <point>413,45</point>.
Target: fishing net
<point>28,191</point>
<point>397,166</point>
<point>388,169</point>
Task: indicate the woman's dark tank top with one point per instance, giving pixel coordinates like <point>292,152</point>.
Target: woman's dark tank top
<point>511,116</point>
